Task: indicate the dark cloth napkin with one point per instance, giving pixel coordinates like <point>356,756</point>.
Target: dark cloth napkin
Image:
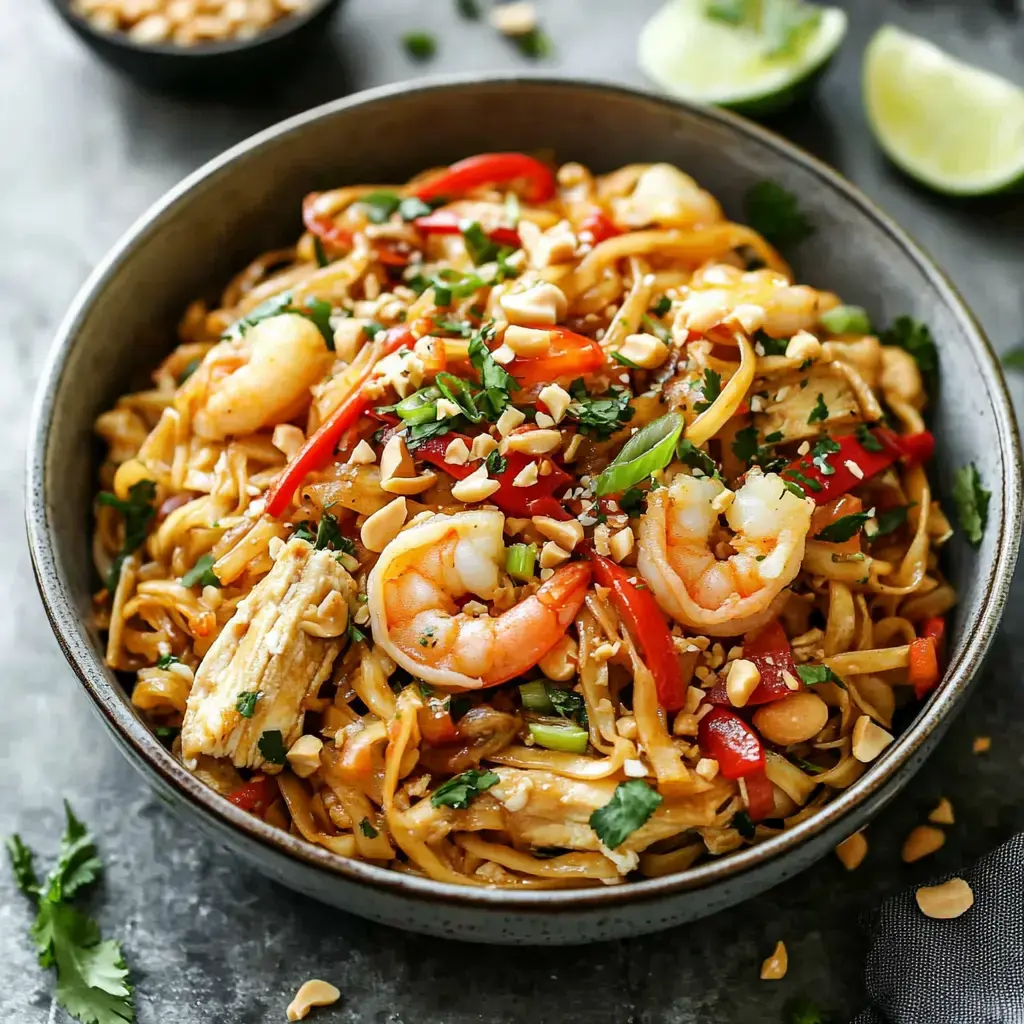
<point>969,970</point>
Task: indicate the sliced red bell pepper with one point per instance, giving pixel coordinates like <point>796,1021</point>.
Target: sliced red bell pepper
<point>724,736</point>
<point>596,227</point>
<point>646,623</point>
<point>536,500</point>
<point>923,673</point>
<point>333,234</point>
<point>770,652</point>
<point>569,355</point>
<point>824,488</point>
<point>319,448</point>
<point>760,796</point>
<point>256,795</point>
<point>446,222</point>
<point>492,169</point>
<point>918,447</point>
<point>935,627</point>
<point>435,722</point>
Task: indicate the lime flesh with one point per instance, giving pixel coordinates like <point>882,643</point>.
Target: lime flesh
<point>700,59</point>
<point>950,126</point>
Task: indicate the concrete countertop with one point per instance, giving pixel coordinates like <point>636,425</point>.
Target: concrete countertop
<point>210,942</point>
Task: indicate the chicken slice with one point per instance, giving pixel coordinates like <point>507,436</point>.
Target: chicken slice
<point>280,644</point>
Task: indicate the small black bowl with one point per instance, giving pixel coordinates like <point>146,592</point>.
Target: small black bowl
<point>165,65</point>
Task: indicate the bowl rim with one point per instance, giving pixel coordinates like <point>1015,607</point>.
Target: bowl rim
<point>114,705</point>
<point>122,42</point>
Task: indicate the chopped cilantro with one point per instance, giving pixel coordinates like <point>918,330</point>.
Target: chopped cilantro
<point>632,803</point>
<point>772,346</point>
<point>480,248</point>
<point>820,411</point>
<point>812,675</point>
<point>304,531</point>
<point>915,338</point>
<point>459,792</point>
<point>316,310</point>
<point>822,449</point>
<point>355,634</point>
<point>450,326</point>
<point>663,334</point>
<point>743,824</point>
<point>372,329</point>
<point>329,535</point>
<point>696,458</point>
<point>271,746</point>
<point>496,381</point>
<point>245,702</point>
<point>632,502</point>
<point>843,528</point>
<point>794,488</point>
<point>138,512</point>
<point>167,660</point>
<point>201,574</point>
<point>625,361</point>
<point>971,500</point>
<point>412,207</point>
<point>534,44</point>
<point>711,388</point>
<point>776,214</point>
<point>890,520</point>
<point>601,415</point>
<point>167,732</point>
<point>379,206</point>
<point>744,445</point>
<point>569,704</point>
<point>367,829</point>
<point>662,306</point>
<point>496,464</point>
<point>806,482</point>
<point>867,440</point>
<point>419,45</point>
<point>318,252</point>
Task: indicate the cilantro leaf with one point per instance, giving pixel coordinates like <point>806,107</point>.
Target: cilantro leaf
<point>971,500</point>
<point>496,463</point>
<point>201,574</point>
<point>569,704</point>
<point>820,411</point>
<point>271,746</point>
<point>77,863</point>
<point>915,337</point>
<point>867,440</point>
<point>328,534</point>
<point>316,310</point>
<point>776,214</point>
<point>479,246</point>
<point>304,531</point>
<point>812,675</point>
<point>167,660</point>
<point>138,512</point>
<point>822,449</point>
<point>741,821</point>
<point>379,206</point>
<point>496,381</point>
<point>92,980</point>
<point>21,864</point>
<point>771,346</point>
<point>602,415</point>
<point>744,445</point>
<point>890,520</point>
<point>461,790</point>
<point>245,702</point>
<point>632,803</point>
<point>843,528</point>
<point>696,458</point>
<point>367,829</point>
<point>662,306</point>
<point>711,388</point>
<point>534,44</point>
<point>412,207</point>
<point>632,501</point>
<point>355,634</point>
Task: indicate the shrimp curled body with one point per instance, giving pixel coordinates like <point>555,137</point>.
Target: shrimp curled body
<point>412,595</point>
<point>730,596</point>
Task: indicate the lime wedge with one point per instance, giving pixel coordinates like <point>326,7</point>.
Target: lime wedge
<point>704,59</point>
<point>953,127</point>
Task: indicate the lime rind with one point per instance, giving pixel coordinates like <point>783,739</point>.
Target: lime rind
<point>702,60</point>
<point>951,126</point>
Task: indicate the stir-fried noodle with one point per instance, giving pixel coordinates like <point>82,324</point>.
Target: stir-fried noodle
<point>524,528</point>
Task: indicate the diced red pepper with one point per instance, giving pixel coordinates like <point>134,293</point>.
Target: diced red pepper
<point>569,355</point>
<point>923,673</point>
<point>492,169</point>
<point>256,795</point>
<point>824,488</point>
<point>770,652</point>
<point>446,222</point>
<point>738,750</point>
<point>333,234</point>
<point>319,448</point>
<point>596,227</point>
<point>935,627</point>
<point>537,499</point>
<point>645,621</point>
<point>760,796</point>
<point>435,722</point>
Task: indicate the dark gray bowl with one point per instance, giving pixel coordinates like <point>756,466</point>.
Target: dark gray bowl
<point>208,65</point>
<point>247,200</point>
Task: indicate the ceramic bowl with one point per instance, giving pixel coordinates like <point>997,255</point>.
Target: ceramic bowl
<point>247,201</point>
<point>201,67</point>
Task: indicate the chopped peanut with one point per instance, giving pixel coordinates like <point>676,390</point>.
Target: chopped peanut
<point>395,460</point>
<point>475,487</point>
<point>288,438</point>
<point>446,408</point>
<point>643,350</point>
<point>741,681</point>
<point>946,901</point>
<point>557,400</point>
<point>542,303</point>
<point>803,346</point>
<point>869,740</point>
<point>362,455</point>
<point>526,477</point>
<point>943,813</point>
<point>534,442</point>
<point>707,768</point>
<point>526,342</point>
<point>312,993</point>
<point>775,967</point>
<point>457,453</point>
<point>383,526</point>
<point>509,420</point>
<point>621,543</point>
<point>565,534</point>
<point>551,555</point>
<point>851,852</point>
<point>483,445</point>
<point>304,755</point>
<point>922,841</point>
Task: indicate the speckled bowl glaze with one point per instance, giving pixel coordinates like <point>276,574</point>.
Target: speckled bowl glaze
<point>247,201</point>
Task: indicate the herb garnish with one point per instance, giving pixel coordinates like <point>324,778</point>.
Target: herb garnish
<point>355,634</point>
<point>367,829</point>
<point>632,803</point>
<point>915,338</point>
<point>812,675</point>
<point>496,381</point>
<point>820,411</point>
<point>696,458</point>
<point>496,463</point>
<point>867,440</point>
<point>844,528</point>
<point>822,449</point>
<point>600,415</point>
<point>419,45</point>
<point>459,792</point>
<point>201,574</point>
<point>742,822</point>
<point>890,520</point>
<point>271,746</point>
<point>662,306</point>
<point>138,512</point>
<point>776,214</point>
<point>245,702</point>
<point>971,501</point>
<point>569,704</point>
<point>167,660</point>
<point>316,310</point>
<point>92,978</point>
<point>711,388</point>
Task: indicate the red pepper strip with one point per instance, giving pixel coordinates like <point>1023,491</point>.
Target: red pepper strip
<point>760,796</point>
<point>492,169</point>
<point>335,235</point>
<point>918,447</point>
<point>724,736</point>
<point>935,627</point>
<point>569,355</point>
<point>646,623</point>
<point>596,227</point>
<point>924,672</point>
<point>445,222</point>
<point>435,722</point>
<point>825,488</point>
<point>521,502</point>
<point>770,652</point>
<point>319,448</point>
<point>256,795</point>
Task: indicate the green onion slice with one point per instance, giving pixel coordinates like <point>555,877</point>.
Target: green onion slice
<point>419,407</point>
<point>456,390</point>
<point>534,696</point>
<point>647,451</point>
<point>566,736</point>
<point>519,561</point>
<point>846,320</point>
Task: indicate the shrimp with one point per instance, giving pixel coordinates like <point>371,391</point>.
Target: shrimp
<point>733,595</point>
<point>412,595</point>
<point>717,290</point>
<point>287,356</point>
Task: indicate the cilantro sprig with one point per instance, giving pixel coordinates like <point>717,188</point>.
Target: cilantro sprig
<point>138,512</point>
<point>915,337</point>
<point>600,415</point>
<point>316,310</point>
<point>774,212</point>
<point>632,803</point>
<point>971,500</point>
<point>92,978</point>
<point>461,790</point>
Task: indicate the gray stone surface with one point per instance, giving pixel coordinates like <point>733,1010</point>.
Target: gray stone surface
<point>209,942</point>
